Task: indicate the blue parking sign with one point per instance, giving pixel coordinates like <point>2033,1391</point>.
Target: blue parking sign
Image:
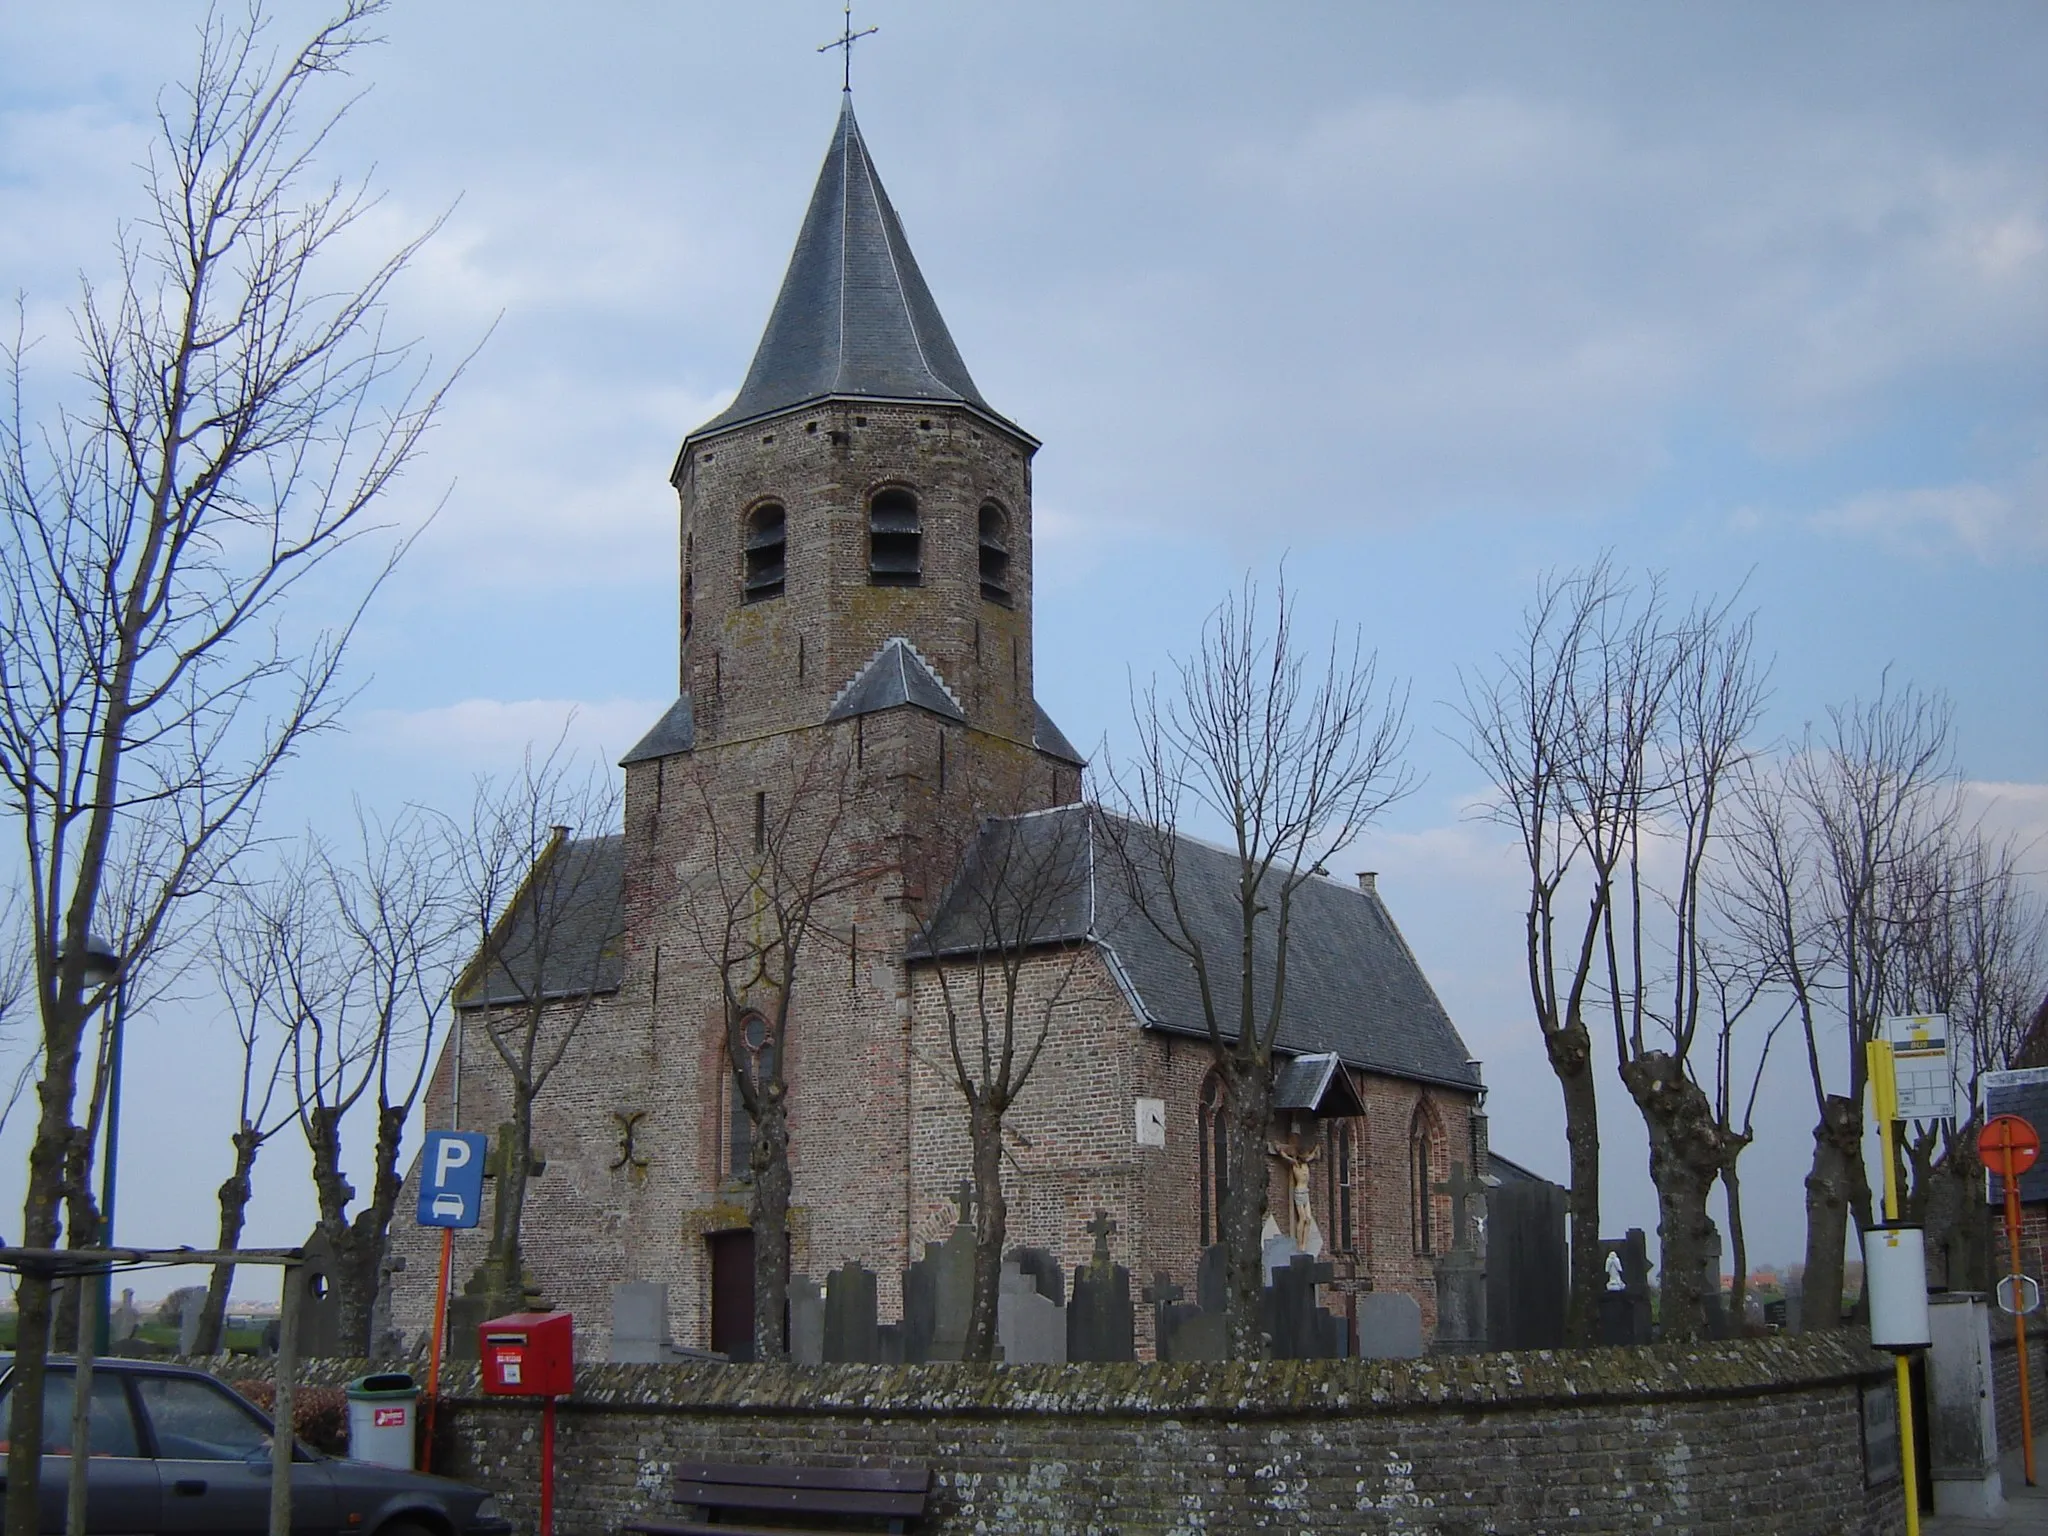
<point>452,1178</point>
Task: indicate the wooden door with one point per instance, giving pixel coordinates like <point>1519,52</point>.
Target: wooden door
<point>732,1293</point>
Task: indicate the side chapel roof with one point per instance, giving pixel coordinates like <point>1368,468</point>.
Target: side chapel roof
<point>1353,985</point>
<point>563,933</point>
<point>854,316</point>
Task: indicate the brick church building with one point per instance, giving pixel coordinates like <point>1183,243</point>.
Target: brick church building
<point>855,549</point>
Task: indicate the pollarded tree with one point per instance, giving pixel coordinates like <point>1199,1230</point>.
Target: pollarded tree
<point>1295,752</point>
<point>163,648</point>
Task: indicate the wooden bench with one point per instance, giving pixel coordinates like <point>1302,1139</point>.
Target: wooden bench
<point>893,1494</point>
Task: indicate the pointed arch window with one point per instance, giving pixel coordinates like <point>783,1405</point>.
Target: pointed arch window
<point>767,552</point>
<point>1338,1168</point>
<point>1426,1155</point>
<point>895,539</point>
<point>995,553</point>
<point>1213,1153</point>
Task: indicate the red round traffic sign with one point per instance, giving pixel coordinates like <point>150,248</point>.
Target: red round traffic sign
<point>2008,1145</point>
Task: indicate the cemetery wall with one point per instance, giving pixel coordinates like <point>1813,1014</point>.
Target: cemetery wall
<point>1755,1436</point>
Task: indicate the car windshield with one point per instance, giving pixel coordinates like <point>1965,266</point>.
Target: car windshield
<point>111,1429</point>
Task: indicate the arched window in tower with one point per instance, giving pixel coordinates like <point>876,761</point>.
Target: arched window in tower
<point>1426,1157</point>
<point>995,553</point>
<point>758,1062</point>
<point>767,550</point>
<point>1213,1153</point>
<point>895,540</point>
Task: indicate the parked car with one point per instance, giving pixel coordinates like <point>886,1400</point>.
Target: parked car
<point>174,1450</point>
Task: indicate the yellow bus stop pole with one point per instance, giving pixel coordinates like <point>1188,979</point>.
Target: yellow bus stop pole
<point>1884,1095</point>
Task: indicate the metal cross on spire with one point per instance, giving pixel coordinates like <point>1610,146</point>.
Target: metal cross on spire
<point>845,42</point>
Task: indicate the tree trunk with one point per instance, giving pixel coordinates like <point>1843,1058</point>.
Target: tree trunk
<point>505,1264</point>
<point>991,1225</point>
<point>39,1229</point>
<point>234,1194</point>
<point>770,1218</point>
<point>1248,1113</point>
<point>82,1230</point>
<point>1830,1191</point>
<point>1738,1247</point>
<point>1571,1059</point>
<point>1685,1159</point>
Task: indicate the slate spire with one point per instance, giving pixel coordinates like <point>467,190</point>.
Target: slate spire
<point>854,316</point>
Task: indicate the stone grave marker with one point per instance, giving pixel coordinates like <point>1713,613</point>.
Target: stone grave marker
<point>1389,1326</point>
<point>1170,1314</point>
<point>920,1306</point>
<point>1198,1333</point>
<point>806,1321</point>
<point>191,1307</point>
<point>850,1331</point>
<point>126,1319</point>
<point>1276,1253</point>
<point>952,1282</point>
<point>1100,1323</point>
<point>889,1343</point>
<point>1714,1304</point>
<point>1031,1328</point>
<point>1460,1278</point>
<point>640,1333</point>
<point>1299,1329</point>
<point>1625,1289</point>
<point>1527,1277</point>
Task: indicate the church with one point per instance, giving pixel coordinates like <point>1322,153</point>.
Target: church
<point>855,572</point>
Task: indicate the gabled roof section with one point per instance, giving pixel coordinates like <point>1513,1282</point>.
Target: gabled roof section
<point>1050,739</point>
<point>1353,986</point>
<point>895,675</point>
<point>563,936</point>
<point>854,316</point>
<point>675,731</point>
<point>1317,1085</point>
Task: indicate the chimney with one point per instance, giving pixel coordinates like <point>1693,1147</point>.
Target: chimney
<point>1368,881</point>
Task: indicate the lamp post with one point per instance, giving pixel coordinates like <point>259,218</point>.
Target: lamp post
<point>103,969</point>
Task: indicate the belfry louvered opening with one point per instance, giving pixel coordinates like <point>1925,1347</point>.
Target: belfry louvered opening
<point>767,552</point>
<point>995,553</point>
<point>895,539</point>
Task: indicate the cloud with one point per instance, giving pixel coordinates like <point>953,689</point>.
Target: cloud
<point>1987,521</point>
<point>485,735</point>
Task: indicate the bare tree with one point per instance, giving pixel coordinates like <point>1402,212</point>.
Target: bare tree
<point>364,953</point>
<point>1296,754</point>
<point>242,414</point>
<point>766,877</point>
<point>1005,966</point>
<point>248,978</point>
<point>541,909</point>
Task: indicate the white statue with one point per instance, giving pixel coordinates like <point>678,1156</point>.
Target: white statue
<point>1301,1224</point>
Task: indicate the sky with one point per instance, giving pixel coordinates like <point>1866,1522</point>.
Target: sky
<point>1423,301</point>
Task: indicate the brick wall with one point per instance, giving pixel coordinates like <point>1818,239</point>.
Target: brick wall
<point>1756,1436</point>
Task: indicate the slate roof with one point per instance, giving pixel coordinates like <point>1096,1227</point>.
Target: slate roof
<point>1353,985</point>
<point>854,316</point>
<point>1313,1085</point>
<point>576,952</point>
<point>675,731</point>
<point>1050,739</point>
<point>1513,1173</point>
<point>896,674</point>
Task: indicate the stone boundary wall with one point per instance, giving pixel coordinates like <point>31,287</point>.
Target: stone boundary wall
<point>1751,1436</point>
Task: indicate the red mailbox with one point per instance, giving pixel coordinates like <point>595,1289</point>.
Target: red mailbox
<point>529,1354</point>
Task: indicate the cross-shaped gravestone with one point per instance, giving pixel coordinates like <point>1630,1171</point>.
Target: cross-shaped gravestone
<point>1162,1292</point>
<point>1101,1227</point>
<point>1460,1186</point>
<point>964,1198</point>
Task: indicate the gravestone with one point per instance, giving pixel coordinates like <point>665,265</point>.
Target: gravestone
<point>1460,1278</point>
<point>1389,1326</point>
<point>850,1332</point>
<point>191,1308</point>
<point>1198,1332</point>
<point>1170,1314</point>
<point>1528,1280</point>
<point>1276,1253</point>
<point>126,1319</point>
<point>640,1333</point>
<point>1043,1267</point>
<point>1100,1322</point>
<point>806,1321</point>
<point>1298,1328</point>
<point>1212,1279</point>
<point>1030,1327</point>
<point>1625,1289</point>
<point>952,1282</point>
<point>889,1344</point>
<point>1712,1302</point>
<point>920,1306</point>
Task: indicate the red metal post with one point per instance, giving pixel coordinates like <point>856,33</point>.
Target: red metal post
<point>547,1467</point>
<point>434,1350</point>
<point>2019,1322</point>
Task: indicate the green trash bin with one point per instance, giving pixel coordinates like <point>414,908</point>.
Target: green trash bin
<point>380,1419</point>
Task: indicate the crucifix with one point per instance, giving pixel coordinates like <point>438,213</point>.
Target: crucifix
<point>845,42</point>
<point>1460,1186</point>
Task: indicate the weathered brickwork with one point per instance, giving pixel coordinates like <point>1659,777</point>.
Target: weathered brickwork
<point>1756,1436</point>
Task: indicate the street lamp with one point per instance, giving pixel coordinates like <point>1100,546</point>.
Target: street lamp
<point>102,970</point>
